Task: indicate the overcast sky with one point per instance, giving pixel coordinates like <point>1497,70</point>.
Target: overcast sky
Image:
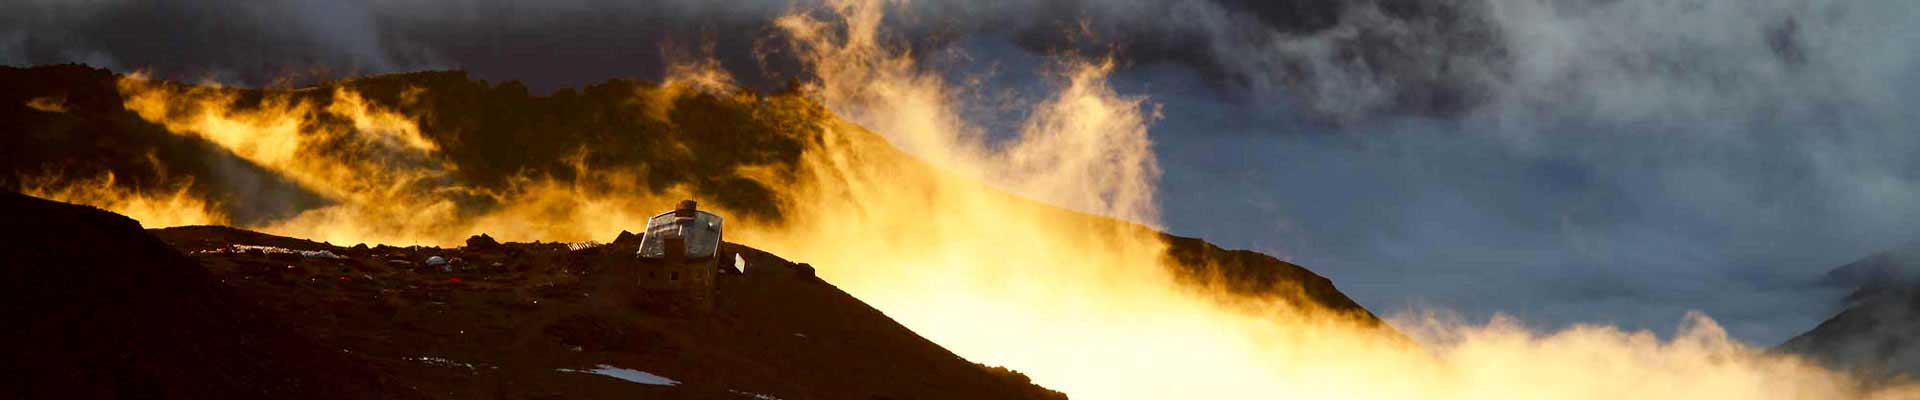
<point>1616,161</point>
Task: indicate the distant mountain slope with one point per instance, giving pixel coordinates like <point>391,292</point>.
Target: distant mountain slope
<point>71,124</point>
<point>1251,273</point>
<point>1880,335</point>
<point>1879,331</point>
<point>70,121</point>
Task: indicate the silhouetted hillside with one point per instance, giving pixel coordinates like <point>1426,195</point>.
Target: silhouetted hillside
<point>94,308</point>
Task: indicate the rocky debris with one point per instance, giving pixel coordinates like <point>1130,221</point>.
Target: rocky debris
<point>593,332</point>
<point>277,253</point>
<point>482,242</point>
<point>528,310</point>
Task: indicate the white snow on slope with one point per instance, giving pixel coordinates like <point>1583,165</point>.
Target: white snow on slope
<point>629,375</point>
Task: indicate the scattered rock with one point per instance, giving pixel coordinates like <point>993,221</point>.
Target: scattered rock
<point>626,238</point>
<point>804,269</point>
<point>482,242</point>
<point>592,332</point>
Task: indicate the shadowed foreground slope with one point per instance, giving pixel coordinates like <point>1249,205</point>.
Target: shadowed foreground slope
<point>93,307</point>
<point>108,311</point>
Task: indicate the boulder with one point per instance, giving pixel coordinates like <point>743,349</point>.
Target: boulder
<point>482,242</point>
<point>803,269</point>
<point>626,238</point>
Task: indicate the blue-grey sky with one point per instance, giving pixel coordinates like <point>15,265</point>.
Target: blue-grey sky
<point>1628,161</point>
<point>1612,161</point>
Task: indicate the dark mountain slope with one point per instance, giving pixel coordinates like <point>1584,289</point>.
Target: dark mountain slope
<point>1879,335</point>
<point>1250,273</point>
<point>1879,331</point>
<point>66,122</point>
<point>93,307</point>
<point>514,320</point>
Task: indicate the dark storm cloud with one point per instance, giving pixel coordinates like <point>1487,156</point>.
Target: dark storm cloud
<point>241,41</point>
<point>546,44</point>
<point>568,43</point>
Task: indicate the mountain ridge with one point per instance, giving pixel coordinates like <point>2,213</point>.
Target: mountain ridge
<point>494,134</point>
<point>1876,329</point>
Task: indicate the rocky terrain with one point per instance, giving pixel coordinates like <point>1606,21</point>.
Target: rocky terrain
<point>107,310</point>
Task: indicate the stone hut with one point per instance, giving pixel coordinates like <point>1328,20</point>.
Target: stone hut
<point>680,257</point>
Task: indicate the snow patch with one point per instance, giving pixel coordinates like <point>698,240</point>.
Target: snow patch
<point>442,362</point>
<point>754,395</point>
<point>629,375</point>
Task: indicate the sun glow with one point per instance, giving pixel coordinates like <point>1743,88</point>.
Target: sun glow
<point>172,207</point>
